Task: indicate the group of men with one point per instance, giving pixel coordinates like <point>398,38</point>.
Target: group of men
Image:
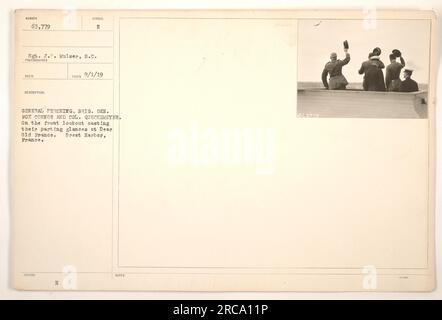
<point>372,69</point>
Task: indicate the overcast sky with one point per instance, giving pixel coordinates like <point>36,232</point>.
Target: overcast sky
<point>315,43</point>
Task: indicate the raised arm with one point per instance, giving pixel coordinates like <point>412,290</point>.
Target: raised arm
<point>402,61</point>
<point>347,58</point>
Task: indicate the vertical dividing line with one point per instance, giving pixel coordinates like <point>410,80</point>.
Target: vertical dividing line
<point>118,159</point>
<point>113,144</point>
<point>297,63</point>
<point>430,144</point>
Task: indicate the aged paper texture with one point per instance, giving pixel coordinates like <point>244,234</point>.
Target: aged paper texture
<point>223,150</point>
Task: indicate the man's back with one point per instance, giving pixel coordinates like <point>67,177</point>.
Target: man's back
<point>334,68</point>
<point>373,75</point>
<point>394,70</point>
<point>409,85</point>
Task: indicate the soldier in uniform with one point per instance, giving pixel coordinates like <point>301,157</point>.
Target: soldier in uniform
<point>333,68</point>
<point>408,85</point>
<point>372,71</point>
<point>393,71</point>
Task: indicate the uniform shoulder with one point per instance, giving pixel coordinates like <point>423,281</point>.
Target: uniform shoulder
<point>409,80</point>
<point>329,65</point>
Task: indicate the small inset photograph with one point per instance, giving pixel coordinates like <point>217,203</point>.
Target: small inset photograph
<point>351,69</point>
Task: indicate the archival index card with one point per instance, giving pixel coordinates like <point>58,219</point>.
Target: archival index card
<point>223,150</point>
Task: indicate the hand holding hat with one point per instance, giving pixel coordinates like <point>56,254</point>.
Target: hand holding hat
<point>377,51</point>
<point>396,53</point>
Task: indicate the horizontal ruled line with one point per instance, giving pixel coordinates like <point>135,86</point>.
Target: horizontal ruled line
<point>64,79</point>
<point>101,30</point>
<point>49,46</point>
<point>44,62</point>
<point>237,273</point>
